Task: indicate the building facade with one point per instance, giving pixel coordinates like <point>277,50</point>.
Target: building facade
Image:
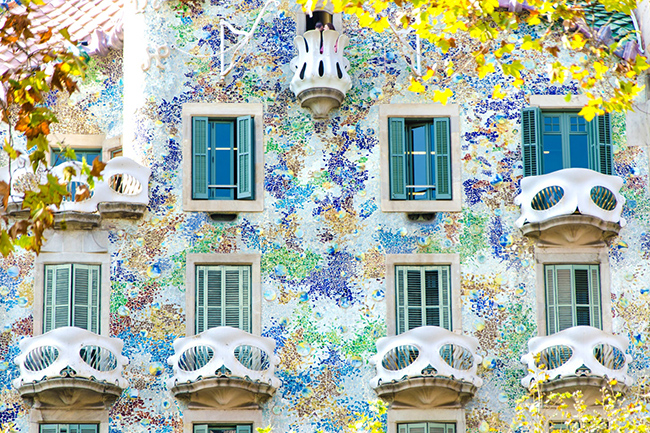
<point>285,233</point>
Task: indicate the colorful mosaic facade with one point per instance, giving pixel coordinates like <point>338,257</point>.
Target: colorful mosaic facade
<point>322,236</point>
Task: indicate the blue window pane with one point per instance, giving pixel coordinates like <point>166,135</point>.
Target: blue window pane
<point>578,124</point>
<point>551,124</point>
<point>552,153</point>
<point>222,154</point>
<point>579,151</point>
<point>419,161</point>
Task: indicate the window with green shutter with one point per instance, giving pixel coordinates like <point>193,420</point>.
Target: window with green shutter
<point>222,158</point>
<point>555,140</point>
<point>223,297</point>
<point>69,428</point>
<point>423,297</point>
<point>420,159</point>
<point>71,297</point>
<point>572,296</point>
<point>427,427</point>
<point>223,428</point>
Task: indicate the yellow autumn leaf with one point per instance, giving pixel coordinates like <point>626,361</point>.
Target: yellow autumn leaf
<point>416,86</point>
<point>497,93</point>
<point>485,69</point>
<point>428,75</point>
<point>442,96</point>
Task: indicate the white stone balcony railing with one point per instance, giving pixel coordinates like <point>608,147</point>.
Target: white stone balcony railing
<point>224,367</point>
<point>580,351</point>
<point>321,78</point>
<point>123,192</point>
<point>55,365</point>
<point>409,362</point>
<point>564,192</point>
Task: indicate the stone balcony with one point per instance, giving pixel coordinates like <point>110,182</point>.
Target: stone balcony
<point>123,192</point>
<point>224,368</point>
<point>426,367</point>
<point>320,78</point>
<point>579,358</point>
<point>71,368</point>
<point>574,206</point>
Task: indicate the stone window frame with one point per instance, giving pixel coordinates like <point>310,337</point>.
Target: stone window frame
<point>223,111</point>
<point>401,416</point>
<point>220,416</point>
<point>451,260</point>
<point>40,416</point>
<point>89,141</point>
<point>215,259</point>
<point>576,256</point>
<point>69,253</point>
<point>420,111</point>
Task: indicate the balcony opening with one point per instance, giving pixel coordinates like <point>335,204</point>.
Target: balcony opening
<point>317,16</point>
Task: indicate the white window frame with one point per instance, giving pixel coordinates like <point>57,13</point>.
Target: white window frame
<point>451,260</point>
<point>223,111</point>
<point>402,416</point>
<point>38,416</point>
<point>55,252</point>
<point>209,259</point>
<point>88,141</point>
<point>420,111</point>
<point>577,256</point>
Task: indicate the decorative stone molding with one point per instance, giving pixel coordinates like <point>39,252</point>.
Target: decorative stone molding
<point>71,367</point>
<point>426,367</point>
<point>320,79</point>
<point>571,206</point>
<point>577,358</point>
<point>223,368</point>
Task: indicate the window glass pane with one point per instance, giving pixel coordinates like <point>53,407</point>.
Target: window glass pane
<point>420,171</point>
<point>222,159</point>
<point>579,151</point>
<point>552,144</point>
<point>89,154</point>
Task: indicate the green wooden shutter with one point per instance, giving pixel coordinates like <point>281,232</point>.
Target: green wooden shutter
<point>414,288</point>
<point>594,290</point>
<point>397,151</point>
<point>245,161</point>
<point>48,299</point>
<point>531,142</point>
<point>213,296</point>
<point>49,428</point>
<point>244,429</point>
<point>402,428</point>
<point>200,157</point>
<point>88,428</point>
<point>200,428</point>
<point>564,295</point>
<point>61,296</point>
<point>85,294</point>
<point>442,133</point>
<point>400,280</point>
<point>234,298</point>
<point>600,141</point>
<point>73,428</point>
<point>200,300</point>
<point>445,298</point>
<point>417,428</point>
<point>551,303</point>
<point>437,427</point>
<point>451,428</point>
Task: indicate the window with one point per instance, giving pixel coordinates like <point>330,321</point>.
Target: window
<point>88,154</point>
<point>317,16</point>
<point>572,296</point>
<point>554,140</point>
<point>69,428</point>
<point>223,297</point>
<point>420,159</point>
<point>217,428</point>
<point>116,152</point>
<point>71,297</point>
<point>423,297</point>
<point>222,158</point>
<point>427,427</point>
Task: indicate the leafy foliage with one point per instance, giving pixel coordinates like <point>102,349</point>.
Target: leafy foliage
<point>479,38</point>
<point>47,65</point>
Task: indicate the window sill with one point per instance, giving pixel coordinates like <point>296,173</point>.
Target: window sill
<point>223,206</point>
<point>410,206</point>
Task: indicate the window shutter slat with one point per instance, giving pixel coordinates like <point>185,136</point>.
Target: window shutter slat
<point>551,306</point>
<point>62,296</point>
<point>442,136</point>
<point>594,276</point>
<point>49,428</point>
<point>95,302</point>
<point>82,297</point>
<point>245,162</point>
<point>435,427</point>
<point>397,150</point>
<point>445,295</point>
<point>88,428</point>
<point>200,299</point>
<point>603,143</point>
<point>531,141</point>
<point>400,276</point>
<point>402,428</point>
<point>244,429</point>
<point>48,301</point>
<point>245,288</point>
<point>417,428</point>
<point>214,297</point>
<point>200,428</point>
<point>200,157</point>
<point>232,299</point>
